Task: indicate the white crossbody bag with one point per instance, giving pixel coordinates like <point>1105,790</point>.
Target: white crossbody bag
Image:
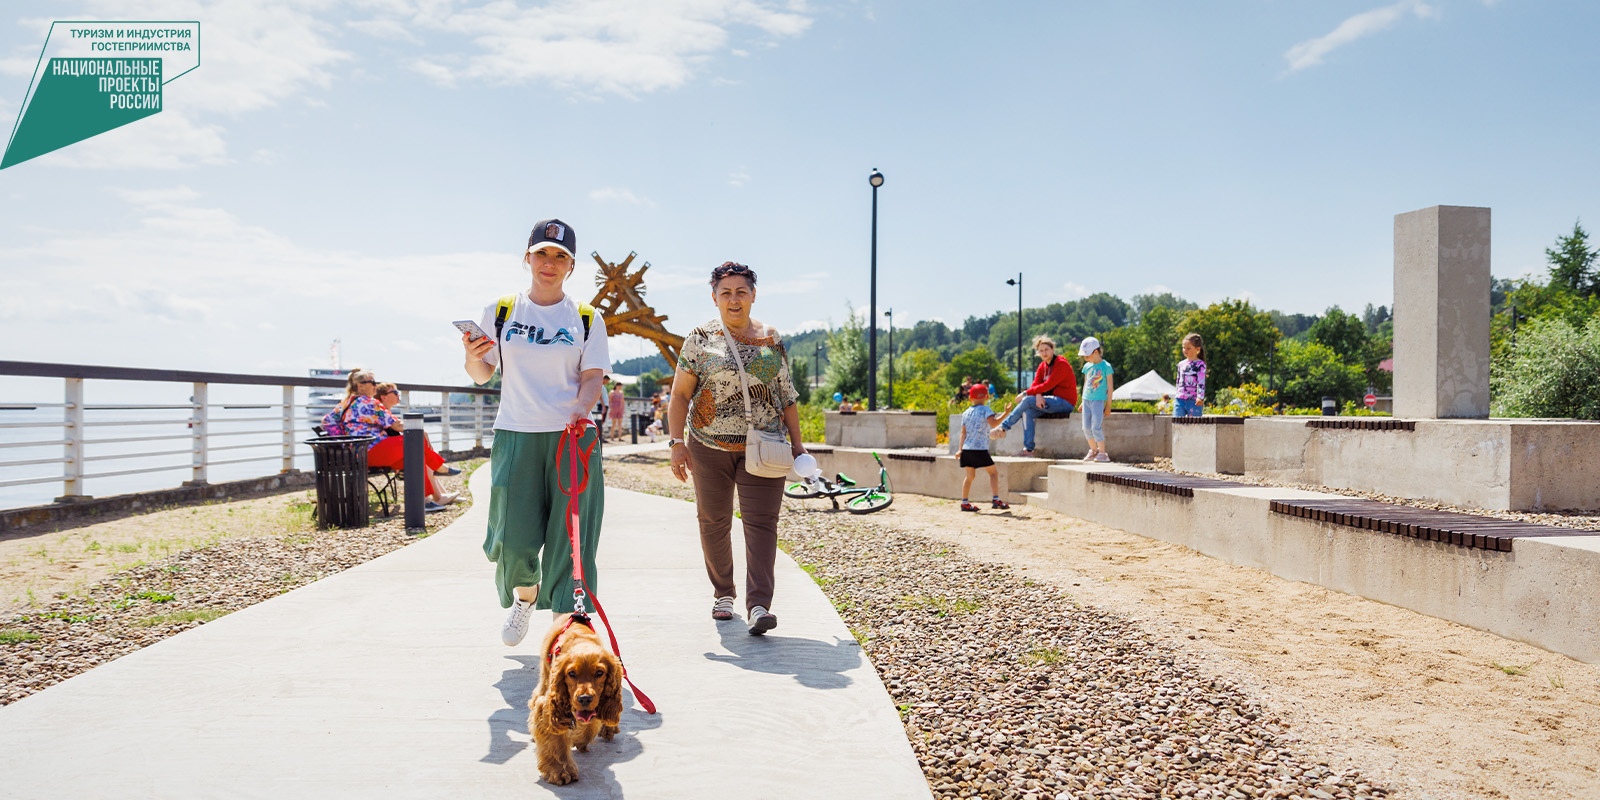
<point>766,454</point>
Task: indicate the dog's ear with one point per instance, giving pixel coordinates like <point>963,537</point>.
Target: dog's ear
<point>560,696</point>
<point>610,709</point>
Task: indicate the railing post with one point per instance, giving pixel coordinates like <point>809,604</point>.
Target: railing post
<point>444,421</point>
<point>288,429</point>
<point>197,425</point>
<point>477,421</point>
<point>72,426</point>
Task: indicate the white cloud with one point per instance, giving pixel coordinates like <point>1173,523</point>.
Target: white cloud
<point>388,29</point>
<point>1310,53</point>
<point>622,47</point>
<point>1159,288</point>
<point>614,195</point>
<point>168,140</point>
<point>1074,290</point>
<point>738,179</point>
<point>807,325</point>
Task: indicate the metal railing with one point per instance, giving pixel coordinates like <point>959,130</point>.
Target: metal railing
<point>251,426</point>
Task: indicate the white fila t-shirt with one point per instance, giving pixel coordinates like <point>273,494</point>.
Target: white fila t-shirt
<point>545,354</point>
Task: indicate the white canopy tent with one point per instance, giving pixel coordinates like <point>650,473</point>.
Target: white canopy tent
<point>1148,386</point>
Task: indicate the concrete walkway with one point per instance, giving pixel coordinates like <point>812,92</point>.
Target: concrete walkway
<point>389,681</point>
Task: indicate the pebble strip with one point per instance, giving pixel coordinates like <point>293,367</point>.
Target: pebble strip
<point>143,605</point>
<point>1010,689</point>
<point>1562,519</point>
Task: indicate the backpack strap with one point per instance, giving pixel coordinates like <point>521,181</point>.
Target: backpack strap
<point>586,311</point>
<point>502,311</point>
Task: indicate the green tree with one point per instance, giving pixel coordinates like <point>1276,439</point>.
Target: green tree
<point>1572,263</point>
<point>1345,333</point>
<point>1152,344</point>
<point>847,357</point>
<point>1310,371</point>
<point>1238,341</point>
<point>1143,303</point>
<point>1552,373</point>
<point>979,364</point>
<point>800,371</point>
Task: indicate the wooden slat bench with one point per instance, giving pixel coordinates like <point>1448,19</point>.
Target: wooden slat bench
<point>1363,424</point>
<point>1163,482</point>
<point>1465,530</point>
<point>1213,419</point>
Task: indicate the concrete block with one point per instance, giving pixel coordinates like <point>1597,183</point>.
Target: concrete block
<point>1129,437</point>
<point>1208,444</point>
<point>1502,464</point>
<point>881,429</point>
<point>1441,313</point>
<point>1540,593</point>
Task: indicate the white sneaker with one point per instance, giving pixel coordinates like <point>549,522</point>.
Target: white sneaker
<point>761,621</point>
<point>516,627</point>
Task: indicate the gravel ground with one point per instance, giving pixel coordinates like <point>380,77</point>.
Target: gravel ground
<point>143,605</point>
<point>1563,519</point>
<point>1009,688</point>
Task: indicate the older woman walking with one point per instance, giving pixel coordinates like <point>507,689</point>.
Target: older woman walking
<point>552,354</point>
<point>708,425</point>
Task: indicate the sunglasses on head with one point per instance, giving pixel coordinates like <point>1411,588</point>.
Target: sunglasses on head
<point>730,268</point>
<point>367,383</point>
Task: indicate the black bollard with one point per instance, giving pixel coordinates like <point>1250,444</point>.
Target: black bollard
<point>634,428</point>
<point>416,486</point>
<point>1330,407</point>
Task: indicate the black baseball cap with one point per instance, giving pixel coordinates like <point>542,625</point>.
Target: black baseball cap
<point>556,232</point>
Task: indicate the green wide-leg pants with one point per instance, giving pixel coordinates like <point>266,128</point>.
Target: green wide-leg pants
<point>527,538</point>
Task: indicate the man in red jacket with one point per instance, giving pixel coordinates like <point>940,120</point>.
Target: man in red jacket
<point>1054,391</point>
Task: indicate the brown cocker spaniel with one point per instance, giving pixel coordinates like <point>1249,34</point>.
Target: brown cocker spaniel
<point>579,696</point>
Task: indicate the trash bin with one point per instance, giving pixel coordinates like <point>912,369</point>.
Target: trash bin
<point>341,478</point>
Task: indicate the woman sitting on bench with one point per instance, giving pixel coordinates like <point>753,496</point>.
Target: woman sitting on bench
<point>360,414</point>
<point>389,396</point>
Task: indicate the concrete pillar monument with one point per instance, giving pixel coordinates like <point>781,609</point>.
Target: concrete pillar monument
<point>1441,313</point>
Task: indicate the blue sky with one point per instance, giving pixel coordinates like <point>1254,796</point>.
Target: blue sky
<point>369,171</point>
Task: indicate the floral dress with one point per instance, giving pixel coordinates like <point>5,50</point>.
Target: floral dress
<point>365,416</point>
<point>716,414</point>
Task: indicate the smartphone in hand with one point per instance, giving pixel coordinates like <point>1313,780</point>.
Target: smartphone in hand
<point>469,328</point>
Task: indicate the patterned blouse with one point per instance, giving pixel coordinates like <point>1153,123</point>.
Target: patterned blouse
<point>364,416</point>
<point>716,415</point>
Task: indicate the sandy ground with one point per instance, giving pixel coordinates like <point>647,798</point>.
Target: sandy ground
<point>1436,709</point>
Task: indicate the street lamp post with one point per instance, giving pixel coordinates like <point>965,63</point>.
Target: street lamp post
<point>890,315</point>
<point>817,355</point>
<point>876,179</point>
<point>1018,283</point>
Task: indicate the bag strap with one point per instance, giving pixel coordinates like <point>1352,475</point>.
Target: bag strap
<point>744,381</point>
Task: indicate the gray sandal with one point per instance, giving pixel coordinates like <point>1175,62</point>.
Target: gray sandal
<point>722,609</point>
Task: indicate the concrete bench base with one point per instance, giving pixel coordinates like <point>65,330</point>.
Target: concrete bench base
<point>1542,592</point>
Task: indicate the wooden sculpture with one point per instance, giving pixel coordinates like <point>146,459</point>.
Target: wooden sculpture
<point>620,300</point>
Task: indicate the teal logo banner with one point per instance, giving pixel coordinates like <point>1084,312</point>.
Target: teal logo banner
<point>93,77</point>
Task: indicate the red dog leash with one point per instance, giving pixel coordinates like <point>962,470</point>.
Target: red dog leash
<point>570,447</point>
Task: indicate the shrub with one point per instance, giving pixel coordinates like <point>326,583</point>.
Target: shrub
<point>1552,373</point>
<point>1313,371</point>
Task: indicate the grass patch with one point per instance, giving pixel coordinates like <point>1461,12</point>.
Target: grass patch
<point>91,546</point>
<point>1045,655</point>
<point>943,606</point>
<point>818,578</point>
<point>904,709</point>
<point>1510,669</point>
<point>1558,681</point>
<point>155,596</point>
<point>195,615</point>
<point>785,545</point>
<point>861,638</point>
<point>15,637</point>
<point>127,548</point>
<point>65,617</point>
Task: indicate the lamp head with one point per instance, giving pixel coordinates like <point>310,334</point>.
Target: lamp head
<point>876,178</point>
<point>1011,281</point>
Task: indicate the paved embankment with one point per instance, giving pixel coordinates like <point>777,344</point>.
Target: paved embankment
<point>388,680</point>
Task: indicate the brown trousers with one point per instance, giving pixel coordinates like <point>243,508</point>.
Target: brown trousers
<point>717,475</point>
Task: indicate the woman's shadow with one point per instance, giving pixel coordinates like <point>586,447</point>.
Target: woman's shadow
<point>814,664</point>
<point>517,685</point>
